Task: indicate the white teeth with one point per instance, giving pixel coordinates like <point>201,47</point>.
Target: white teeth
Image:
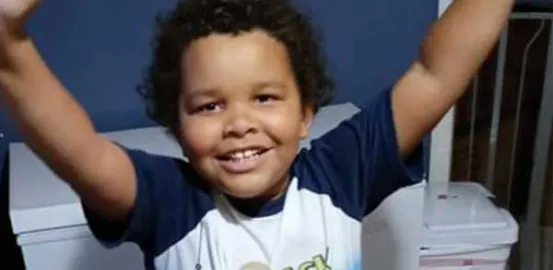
<point>247,154</point>
<point>238,155</point>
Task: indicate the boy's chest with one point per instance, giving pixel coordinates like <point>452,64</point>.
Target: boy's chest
<point>304,248</point>
<point>314,236</point>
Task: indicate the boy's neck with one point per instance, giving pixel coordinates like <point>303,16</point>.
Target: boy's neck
<point>253,206</point>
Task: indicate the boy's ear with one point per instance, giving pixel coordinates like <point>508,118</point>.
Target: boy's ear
<point>307,120</point>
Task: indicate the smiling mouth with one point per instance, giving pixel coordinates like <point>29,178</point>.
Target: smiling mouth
<point>242,161</point>
<point>242,155</point>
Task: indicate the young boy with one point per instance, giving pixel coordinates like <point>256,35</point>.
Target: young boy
<point>237,82</point>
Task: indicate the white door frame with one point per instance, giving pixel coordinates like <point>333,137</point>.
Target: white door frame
<point>441,146</point>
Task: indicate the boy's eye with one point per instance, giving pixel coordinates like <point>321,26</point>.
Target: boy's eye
<point>210,107</point>
<point>265,98</point>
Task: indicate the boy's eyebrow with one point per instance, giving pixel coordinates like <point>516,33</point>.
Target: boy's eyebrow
<point>203,92</point>
<point>274,84</point>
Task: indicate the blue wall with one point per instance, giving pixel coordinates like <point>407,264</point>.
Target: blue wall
<point>99,49</point>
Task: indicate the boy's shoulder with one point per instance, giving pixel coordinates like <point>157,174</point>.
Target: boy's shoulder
<point>357,163</point>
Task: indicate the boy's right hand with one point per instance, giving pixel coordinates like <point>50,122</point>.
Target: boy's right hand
<point>13,14</point>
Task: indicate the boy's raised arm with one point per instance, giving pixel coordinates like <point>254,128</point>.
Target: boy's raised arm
<point>55,126</point>
<point>455,47</point>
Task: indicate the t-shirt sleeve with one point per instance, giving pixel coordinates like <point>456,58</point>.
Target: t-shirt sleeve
<point>164,192</point>
<point>358,162</point>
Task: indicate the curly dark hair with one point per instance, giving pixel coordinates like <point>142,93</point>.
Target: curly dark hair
<point>193,19</point>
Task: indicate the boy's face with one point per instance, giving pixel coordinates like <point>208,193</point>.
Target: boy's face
<point>241,118</point>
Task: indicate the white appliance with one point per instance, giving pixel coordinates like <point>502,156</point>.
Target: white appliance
<point>51,229</point>
<point>464,230</point>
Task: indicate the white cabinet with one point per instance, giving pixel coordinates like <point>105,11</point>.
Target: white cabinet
<point>47,217</point>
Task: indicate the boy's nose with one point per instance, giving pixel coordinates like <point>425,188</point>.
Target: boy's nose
<point>239,123</point>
